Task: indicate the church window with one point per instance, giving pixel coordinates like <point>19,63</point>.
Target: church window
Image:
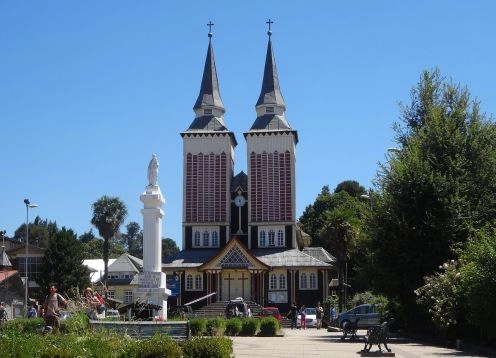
<point>280,238</point>
<point>215,239</point>
<point>206,238</point>
<point>303,280</point>
<point>235,258</point>
<point>189,282</point>
<point>198,282</point>
<point>273,281</point>
<point>282,281</point>
<point>313,280</point>
<point>262,238</point>
<point>270,110</point>
<point>197,239</point>
<point>271,238</point>
<point>208,111</point>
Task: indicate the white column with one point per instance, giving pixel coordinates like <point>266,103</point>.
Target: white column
<point>152,228</point>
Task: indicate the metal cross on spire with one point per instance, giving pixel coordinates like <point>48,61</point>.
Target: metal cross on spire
<point>210,24</point>
<point>270,22</point>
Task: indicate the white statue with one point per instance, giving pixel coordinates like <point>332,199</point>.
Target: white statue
<point>153,171</point>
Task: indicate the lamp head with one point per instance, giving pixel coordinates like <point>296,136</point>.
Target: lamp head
<point>26,201</point>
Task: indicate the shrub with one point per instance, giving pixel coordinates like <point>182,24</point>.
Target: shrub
<point>23,325</point>
<point>157,346</point>
<point>233,327</point>
<point>368,297</point>
<point>77,323</point>
<point>269,326</point>
<point>216,326</point>
<point>249,326</point>
<point>208,347</point>
<point>198,326</point>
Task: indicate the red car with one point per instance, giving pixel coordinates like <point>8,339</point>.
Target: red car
<point>271,311</point>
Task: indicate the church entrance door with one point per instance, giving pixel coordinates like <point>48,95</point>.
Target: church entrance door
<point>236,283</point>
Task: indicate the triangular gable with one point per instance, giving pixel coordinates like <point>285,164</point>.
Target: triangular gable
<point>234,255</point>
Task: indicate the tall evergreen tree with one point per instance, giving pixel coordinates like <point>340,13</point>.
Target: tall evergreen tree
<point>63,264</point>
<point>435,190</point>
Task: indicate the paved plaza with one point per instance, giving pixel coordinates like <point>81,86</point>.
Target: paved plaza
<point>320,343</point>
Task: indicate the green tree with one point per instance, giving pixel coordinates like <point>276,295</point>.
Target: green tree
<point>352,187</point>
<point>63,264</point>
<point>133,239</point>
<point>87,236</point>
<point>94,249</point>
<point>437,189</point>
<point>40,232</point>
<point>108,215</point>
<point>312,218</point>
<point>339,233</point>
<point>169,247</point>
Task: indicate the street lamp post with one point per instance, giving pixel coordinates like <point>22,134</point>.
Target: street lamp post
<point>26,282</point>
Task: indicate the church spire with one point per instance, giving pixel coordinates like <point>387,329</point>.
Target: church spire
<point>209,96</point>
<point>270,95</point>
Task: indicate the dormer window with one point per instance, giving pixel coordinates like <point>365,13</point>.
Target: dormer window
<point>270,110</point>
<point>207,111</point>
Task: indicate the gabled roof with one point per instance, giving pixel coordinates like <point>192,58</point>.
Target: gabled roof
<point>234,255</point>
<point>126,263</point>
<point>240,180</point>
<point>288,258</point>
<point>320,254</point>
<point>4,259</point>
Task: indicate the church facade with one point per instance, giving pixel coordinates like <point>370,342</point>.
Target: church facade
<point>240,232</point>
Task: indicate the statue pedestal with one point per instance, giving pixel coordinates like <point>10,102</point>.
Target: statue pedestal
<point>152,291</point>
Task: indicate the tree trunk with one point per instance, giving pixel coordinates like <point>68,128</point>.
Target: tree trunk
<point>105,261</point>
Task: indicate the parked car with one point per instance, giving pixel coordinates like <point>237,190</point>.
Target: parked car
<point>236,308</point>
<point>310,317</point>
<point>367,315</point>
<point>271,312</point>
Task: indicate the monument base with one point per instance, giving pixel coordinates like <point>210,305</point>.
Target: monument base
<point>152,291</point>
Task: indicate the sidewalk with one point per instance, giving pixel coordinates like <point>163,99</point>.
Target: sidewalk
<point>320,343</point>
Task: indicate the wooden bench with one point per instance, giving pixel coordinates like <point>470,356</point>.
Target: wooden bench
<point>350,328</point>
<point>377,335</point>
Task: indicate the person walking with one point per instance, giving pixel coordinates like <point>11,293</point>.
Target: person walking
<point>303,317</point>
<point>52,310</point>
<point>319,312</point>
<point>32,311</point>
<point>332,315</point>
<point>293,315</point>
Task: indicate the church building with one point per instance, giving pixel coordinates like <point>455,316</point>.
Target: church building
<point>240,236</point>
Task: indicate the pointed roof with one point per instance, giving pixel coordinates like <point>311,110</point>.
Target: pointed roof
<point>209,95</point>
<point>270,105</point>
<point>126,263</point>
<point>271,92</point>
<point>4,259</point>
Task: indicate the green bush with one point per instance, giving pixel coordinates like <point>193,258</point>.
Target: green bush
<point>249,326</point>
<point>208,347</point>
<point>269,326</point>
<point>368,297</point>
<point>233,327</point>
<point>77,323</point>
<point>157,346</point>
<point>198,326</point>
<point>216,326</point>
<point>23,325</point>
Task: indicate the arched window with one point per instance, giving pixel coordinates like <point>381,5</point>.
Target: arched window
<point>280,238</point>
<point>282,281</point>
<point>189,282</point>
<point>198,282</point>
<point>206,241</point>
<point>273,281</point>
<point>262,238</point>
<point>271,238</point>
<point>215,239</point>
<point>313,280</point>
<point>197,239</point>
<point>303,280</point>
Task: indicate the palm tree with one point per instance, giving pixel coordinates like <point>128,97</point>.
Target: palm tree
<point>108,215</point>
<point>339,234</point>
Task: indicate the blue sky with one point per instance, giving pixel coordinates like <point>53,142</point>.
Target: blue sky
<point>89,90</point>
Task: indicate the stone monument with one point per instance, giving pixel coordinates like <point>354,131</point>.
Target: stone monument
<point>152,281</point>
